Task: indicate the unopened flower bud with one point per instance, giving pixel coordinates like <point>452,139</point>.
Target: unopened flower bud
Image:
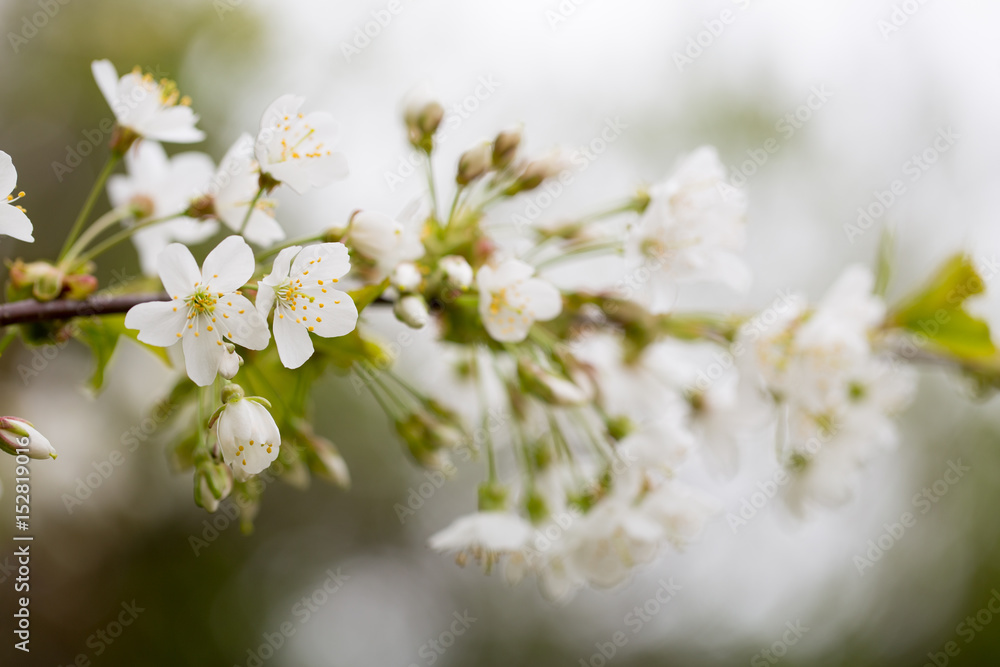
<point>536,172</point>
<point>79,286</point>
<point>18,436</point>
<point>474,163</point>
<point>505,147</point>
<point>406,277</point>
<point>328,462</point>
<point>231,363</point>
<point>412,310</point>
<point>422,118</point>
<point>38,280</point>
<point>203,496</point>
<point>456,271</point>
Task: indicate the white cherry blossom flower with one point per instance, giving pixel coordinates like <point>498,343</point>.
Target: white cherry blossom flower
<point>152,109</point>
<point>693,229</point>
<point>295,149</point>
<point>160,187</point>
<point>302,282</point>
<point>511,300</point>
<point>205,307</point>
<point>248,437</point>
<point>234,190</point>
<point>18,434</point>
<point>13,220</point>
<point>486,536</point>
<point>384,240</point>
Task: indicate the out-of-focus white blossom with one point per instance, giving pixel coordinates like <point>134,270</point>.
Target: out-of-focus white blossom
<point>693,229</point>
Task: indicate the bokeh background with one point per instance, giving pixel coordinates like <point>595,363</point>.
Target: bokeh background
<point>893,73</point>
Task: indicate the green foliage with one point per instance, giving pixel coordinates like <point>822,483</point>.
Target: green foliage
<point>937,312</point>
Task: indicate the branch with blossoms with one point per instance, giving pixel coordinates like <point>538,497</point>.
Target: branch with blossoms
<point>611,391</point>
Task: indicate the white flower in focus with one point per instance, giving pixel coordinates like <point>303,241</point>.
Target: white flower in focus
<point>248,437</point>
<point>160,187</point>
<point>205,306</point>
<point>301,283</point>
<point>385,241</point>
<point>511,300</point>
<point>486,536</point>
<point>693,229</point>
<point>13,221</point>
<point>18,434</point>
<point>236,184</point>
<point>296,149</point>
<point>152,109</point>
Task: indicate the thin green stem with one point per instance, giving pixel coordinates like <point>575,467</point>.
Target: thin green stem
<point>576,253</point>
<point>107,220</point>
<point>478,378</point>
<point>629,206</point>
<point>454,204</point>
<point>202,441</point>
<point>430,184</point>
<point>253,205</point>
<point>113,240</point>
<point>88,205</point>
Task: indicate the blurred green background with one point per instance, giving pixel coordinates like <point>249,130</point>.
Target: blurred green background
<point>215,602</point>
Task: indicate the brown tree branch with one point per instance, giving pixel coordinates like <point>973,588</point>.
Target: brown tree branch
<point>25,312</point>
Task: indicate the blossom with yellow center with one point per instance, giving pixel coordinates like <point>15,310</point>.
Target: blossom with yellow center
<point>511,300</point>
<point>205,306</point>
<point>296,149</point>
<point>307,301</point>
<point>152,109</point>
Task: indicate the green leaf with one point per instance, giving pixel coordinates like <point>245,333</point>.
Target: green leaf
<point>365,296</point>
<point>936,312</point>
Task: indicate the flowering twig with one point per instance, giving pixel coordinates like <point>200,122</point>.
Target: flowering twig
<point>25,312</point>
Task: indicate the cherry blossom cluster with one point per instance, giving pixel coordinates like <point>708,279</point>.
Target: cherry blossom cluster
<point>615,395</point>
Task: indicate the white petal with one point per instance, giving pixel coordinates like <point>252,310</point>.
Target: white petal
<point>293,341</point>
<point>203,354</point>
<point>158,322</point>
<point>262,229</point>
<point>15,224</point>
<point>281,266</point>
<point>542,300</point>
<point>265,299</point>
<point>241,323</point>
<point>331,313</point>
<point>229,266</point>
<point>324,261</point>
<point>8,174</point>
<point>107,81</point>
<point>178,271</point>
